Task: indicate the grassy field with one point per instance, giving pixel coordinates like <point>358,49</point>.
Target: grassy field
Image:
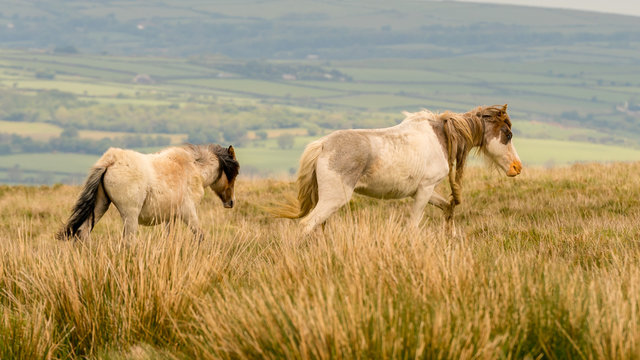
<point>547,266</point>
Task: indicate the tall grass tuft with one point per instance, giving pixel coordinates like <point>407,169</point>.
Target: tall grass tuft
<point>547,266</point>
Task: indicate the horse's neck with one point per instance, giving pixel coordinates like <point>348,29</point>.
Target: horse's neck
<point>462,147</point>
<point>208,174</point>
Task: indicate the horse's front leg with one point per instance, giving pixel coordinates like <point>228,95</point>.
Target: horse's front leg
<point>421,198</point>
<point>446,207</point>
<point>190,218</point>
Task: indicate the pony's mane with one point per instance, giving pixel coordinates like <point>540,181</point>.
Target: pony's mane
<point>202,154</point>
<point>463,132</point>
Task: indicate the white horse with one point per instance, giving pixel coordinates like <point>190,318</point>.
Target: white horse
<point>149,189</point>
<point>406,160</point>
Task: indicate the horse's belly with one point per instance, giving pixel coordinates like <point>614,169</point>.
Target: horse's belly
<point>158,210</point>
<point>400,180</point>
<point>381,188</point>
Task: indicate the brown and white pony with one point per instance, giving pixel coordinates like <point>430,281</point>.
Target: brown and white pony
<point>149,189</point>
<point>406,160</point>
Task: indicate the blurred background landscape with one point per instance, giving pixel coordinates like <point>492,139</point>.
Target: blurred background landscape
<point>77,77</point>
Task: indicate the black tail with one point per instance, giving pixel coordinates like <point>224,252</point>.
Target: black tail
<point>83,209</point>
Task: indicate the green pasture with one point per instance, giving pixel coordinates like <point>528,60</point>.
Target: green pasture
<point>35,130</point>
<point>578,92</point>
<point>377,102</point>
<point>400,75</point>
<point>540,130</point>
<point>261,87</point>
<point>56,162</point>
<point>61,67</point>
<point>560,152</point>
<point>535,90</point>
<point>265,158</point>
<point>176,139</point>
<point>44,131</point>
<point>77,87</point>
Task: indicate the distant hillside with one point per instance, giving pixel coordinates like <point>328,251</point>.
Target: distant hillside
<point>79,76</point>
<point>289,29</point>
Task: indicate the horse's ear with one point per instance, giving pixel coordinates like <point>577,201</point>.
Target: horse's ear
<point>504,108</point>
<point>231,151</point>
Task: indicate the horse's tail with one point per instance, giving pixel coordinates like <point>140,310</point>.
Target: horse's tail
<point>307,183</point>
<point>86,203</point>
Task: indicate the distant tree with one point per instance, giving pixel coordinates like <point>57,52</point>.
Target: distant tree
<point>261,134</point>
<point>196,137</point>
<point>285,141</point>
<point>70,132</point>
<point>50,75</point>
<point>313,129</point>
<point>65,49</point>
<point>237,135</point>
<point>131,141</point>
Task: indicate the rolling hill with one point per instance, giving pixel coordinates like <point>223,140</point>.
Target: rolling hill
<point>225,71</point>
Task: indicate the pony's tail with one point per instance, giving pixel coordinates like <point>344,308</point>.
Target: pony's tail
<point>307,183</point>
<point>85,205</point>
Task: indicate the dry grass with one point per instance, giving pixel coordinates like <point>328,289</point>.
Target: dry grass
<point>549,266</point>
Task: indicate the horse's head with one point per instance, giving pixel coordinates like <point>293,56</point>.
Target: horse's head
<point>497,144</point>
<point>224,186</point>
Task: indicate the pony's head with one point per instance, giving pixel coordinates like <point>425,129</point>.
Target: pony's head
<point>229,168</point>
<point>486,128</point>
<point>496,143</point>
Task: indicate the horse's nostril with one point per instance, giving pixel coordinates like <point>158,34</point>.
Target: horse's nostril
<point>231,203</point>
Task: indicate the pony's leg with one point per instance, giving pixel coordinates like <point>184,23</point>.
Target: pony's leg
<point>333,193</point>
<point>421,198</point>
<point>127,189</point>
<point>447,209</point>
<point>101,207</point>
<point>129,214</point>
<point>130,220</point>
<point>190,218</point>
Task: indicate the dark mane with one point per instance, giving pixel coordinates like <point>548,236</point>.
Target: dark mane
<point>228,165</point>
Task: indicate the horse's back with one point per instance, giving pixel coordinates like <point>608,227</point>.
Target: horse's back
<point>388,163</point>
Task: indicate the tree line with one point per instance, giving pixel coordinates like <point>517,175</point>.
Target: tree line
<point>69,142</point>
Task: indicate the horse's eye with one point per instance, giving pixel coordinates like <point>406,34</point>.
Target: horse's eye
<point>509,136</point>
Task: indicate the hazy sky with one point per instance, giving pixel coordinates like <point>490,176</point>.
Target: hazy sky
<point>626,7</point>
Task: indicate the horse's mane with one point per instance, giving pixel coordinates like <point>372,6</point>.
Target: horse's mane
<point>463,132</point>
<point>202,154</point>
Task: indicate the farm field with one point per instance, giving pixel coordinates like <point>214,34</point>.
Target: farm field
<point>209,73</point>
<point>547,266</point>
<point>266,159</point>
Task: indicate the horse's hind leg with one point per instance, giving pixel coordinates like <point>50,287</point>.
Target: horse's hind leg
<point>127,190</point>
<point>101,207</point>
<point>129,216</point>
<point>333,193</point>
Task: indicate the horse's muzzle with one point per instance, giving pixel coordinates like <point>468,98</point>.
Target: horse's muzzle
<point>228,204</point>
<point>514,169</point>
